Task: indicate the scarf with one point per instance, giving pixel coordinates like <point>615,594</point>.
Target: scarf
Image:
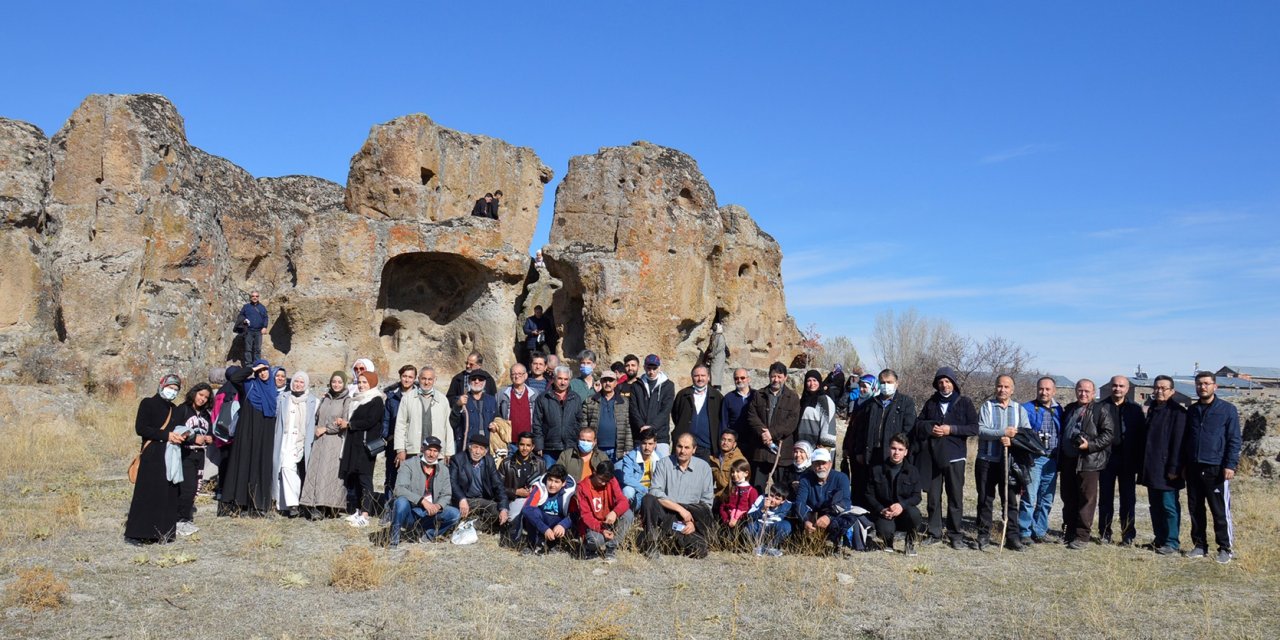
<point>262,393</point>
<point>362,398</point>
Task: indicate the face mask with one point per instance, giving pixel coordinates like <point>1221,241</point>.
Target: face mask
<point>586,369</point>
<point>586,446</point>
<point>168,393</point>
<point>855,394</point>
<point>888,388</point>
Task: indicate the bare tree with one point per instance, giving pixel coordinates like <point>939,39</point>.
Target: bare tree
<point>811,342</point>
<point>839,350</point>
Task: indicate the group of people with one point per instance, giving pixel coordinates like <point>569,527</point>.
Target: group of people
<point>563,460</point>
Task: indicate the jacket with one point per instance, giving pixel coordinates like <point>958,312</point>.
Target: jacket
<point>556,422</point>
<point>630,470</point>
<point>1130,438</point>
<point>682,412</point>
<point>1162,455</point>
<point>722,468</point>
<point>256,314</point>
<point>308,433</point>
<point>817,424</point>
<point>883,492</point>
<point>472,419</point>
<point>587,500</point>
<point>365,423</point>
<point>963,418</point>
<point>830,498</point>
<point>782,428</point>
<point>1097,429</point>
<point>572,460</point>
<point>652,407</point>
<point>519,474</point>
<point>1046,421</point>
<point>559,504</point>
<point>391,408</point>
<point>412,480</point>
<point>992,422</point>
<point>491,486</point>
<point>1213,435</point>
<point>409,429</point>
<point>621,416</point>
<point>458,386</point>
<point>737,502</point>
<point>872,426</point>
<point>504,402</point>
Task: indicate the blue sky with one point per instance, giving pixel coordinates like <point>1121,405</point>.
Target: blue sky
<point>1100,183</point>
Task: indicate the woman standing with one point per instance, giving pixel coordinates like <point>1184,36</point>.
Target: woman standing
<point>362,426</point>
<point>295,432</point>
<point>248,469</point>
<point>153,513</point>
<point>817,413</point>
<point>194,413</point>
<point>323,488</point>
<point>282,379</point>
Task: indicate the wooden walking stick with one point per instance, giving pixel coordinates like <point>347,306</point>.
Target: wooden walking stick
<point>1004,501</point>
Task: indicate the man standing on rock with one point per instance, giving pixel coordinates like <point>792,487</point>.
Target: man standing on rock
<point>652,397</point>
<point>254,324</point>
<point>772,423</point>
<point>1211,451</point>
<point>535,333</point>
<point>1086,446</point>
<point>1123,465</point>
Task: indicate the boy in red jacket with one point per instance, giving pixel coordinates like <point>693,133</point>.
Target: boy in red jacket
<point>602,512</point>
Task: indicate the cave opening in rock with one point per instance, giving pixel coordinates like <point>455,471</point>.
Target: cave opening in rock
<point>282,333</point>
<point>427,175</point>
<point>389,333</point>
<point>440,286</point>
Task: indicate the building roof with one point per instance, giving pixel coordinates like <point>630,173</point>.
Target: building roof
<point>1253,372</point>
<point>1063,381</point>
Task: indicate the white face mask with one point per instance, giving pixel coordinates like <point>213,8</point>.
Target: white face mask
<point>888,388</point>
<point>169,393</point>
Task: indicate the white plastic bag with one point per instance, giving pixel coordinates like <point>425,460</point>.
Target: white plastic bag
<point>465,533</point>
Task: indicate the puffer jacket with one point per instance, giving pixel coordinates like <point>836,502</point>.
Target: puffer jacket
<point>556,422</point>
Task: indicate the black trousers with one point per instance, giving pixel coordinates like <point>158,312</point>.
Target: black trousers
<point>1079,491</point>
<point>360,490</point>
<point>908,522</point>
<point>1115,474</point>
<point>192,464</point>
<point>485,511</point>
<point>658,522</point>
<point>950,478</point>
<point>990,478</point>
<point>1205,484</point>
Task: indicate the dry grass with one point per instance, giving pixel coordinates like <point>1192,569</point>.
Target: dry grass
<point>357,569</point>
<point>37,589</point>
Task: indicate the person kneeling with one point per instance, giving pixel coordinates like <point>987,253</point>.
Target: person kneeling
<point>423,493</point>
<point>604,515</point>
<point>678,505</point>
<point>823,501</point>
<point>894,496</point>
<point>477,487</point>
<point>545,516</point>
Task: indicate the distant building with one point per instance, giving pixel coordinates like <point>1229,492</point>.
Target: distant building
<point>1266,376</point>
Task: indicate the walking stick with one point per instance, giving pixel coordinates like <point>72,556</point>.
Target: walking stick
<point>1004,501</point>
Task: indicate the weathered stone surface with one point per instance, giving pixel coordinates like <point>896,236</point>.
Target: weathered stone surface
<point>649,262</point>
<point>24,176</point>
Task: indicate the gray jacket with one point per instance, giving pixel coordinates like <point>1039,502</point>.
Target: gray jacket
<point>411,481</point>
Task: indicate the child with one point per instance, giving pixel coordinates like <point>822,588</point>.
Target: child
<point>603,513</point>
<point>740,496</point>
<point>546,513</point>
<point>767,521</point>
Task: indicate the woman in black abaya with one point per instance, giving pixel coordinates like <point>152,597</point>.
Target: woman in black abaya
<point>247,473</point>
<point>153,512</point>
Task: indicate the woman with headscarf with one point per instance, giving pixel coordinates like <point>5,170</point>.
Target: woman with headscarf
<point>295,432</point>
<point>194,412</point>
<point>323,489</point>
<point>362,425</point>
<point>817,413</point>
<point>358,367</point>
<point>153,512</point>
<point>282,379</point>
<point>248,471</point>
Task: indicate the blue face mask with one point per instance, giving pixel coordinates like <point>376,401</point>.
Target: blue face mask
<point>586,446</point>
<point>586,369</point>
<point>855,394</point>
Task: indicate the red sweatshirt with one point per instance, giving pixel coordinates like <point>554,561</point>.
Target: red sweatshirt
<point>593,505</point>
<point>737,502</point>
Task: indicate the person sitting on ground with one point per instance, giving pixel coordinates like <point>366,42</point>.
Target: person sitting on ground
<point>604,515</point>
<point>518,472</point>
<point>678,505</point>
<point>636,470</point>
<point>723,463</point>
<point>769,522</point>
<point>478,490</point>
<point>894,496</point>
<point>581,461</point>
<point>823,501</point>
<point>545,515</point>
<point>422,495</point>
<point>740,497</point>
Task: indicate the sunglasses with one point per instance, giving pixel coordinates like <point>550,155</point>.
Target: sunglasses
<point>738,378</point>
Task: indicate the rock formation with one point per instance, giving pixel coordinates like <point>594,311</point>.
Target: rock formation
<point>128,252</point>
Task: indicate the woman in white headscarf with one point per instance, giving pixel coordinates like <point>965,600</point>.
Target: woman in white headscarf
<point>295,420</point>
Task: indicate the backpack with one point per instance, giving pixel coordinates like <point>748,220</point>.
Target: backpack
<point>224,429</point>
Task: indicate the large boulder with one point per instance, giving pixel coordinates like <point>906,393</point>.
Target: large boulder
<point>649,262</point>
<point>25,323</point>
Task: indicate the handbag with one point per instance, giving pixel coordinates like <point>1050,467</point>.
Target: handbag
<point>137,460</point>
<point>375,446</point>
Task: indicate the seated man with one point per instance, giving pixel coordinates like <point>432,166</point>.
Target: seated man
<point>767,522</point>
<point>423,493</point>
<point>603,514</point>
<point>894,496</point>
<point>518,473</point>
<point>722,464</point>
<point>636,469</point>
<point>477,488</point>
<point>822,499</point>
<point>678,505</point>
<point>545,516</point>
<point>581,460</point>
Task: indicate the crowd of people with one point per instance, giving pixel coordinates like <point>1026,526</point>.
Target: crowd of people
<point>555,460</point>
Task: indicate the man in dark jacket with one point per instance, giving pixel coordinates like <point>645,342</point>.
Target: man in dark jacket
<point>1161,465</point>
<point>833,386</point>
<point>1123,465</point>
<point>609,415</point>
<point>893,495</point>
<point>390,409</point>
<point>943,428</point>
<point>1211,453</point>
<point>253,323</point>
<point>472,413</point>
<point>1086,445</point>
<point>557,416</point>
<point>477,488</point>
<point>772,422</point>
<point>652,396</point>
<point>872,425</point>
<point>486,207</point>
<point>460,384</point>
<point>697,410</point>
<point>518,472</point>
<point>823,501</point>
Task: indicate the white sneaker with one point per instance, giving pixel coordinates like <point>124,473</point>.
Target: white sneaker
<point>351,519</point>
<point>186,528</point>
<point>360,521</point>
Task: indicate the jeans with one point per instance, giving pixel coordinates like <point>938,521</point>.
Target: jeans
<point>1166,514</point>
<point>415,518</point>
<point>1033,513</point>
<point>774,533</point>
<point>252,346</point>
<point>550,457</point>
<point>633,497</point>
<point>597,542</point>
<point>609,453</point>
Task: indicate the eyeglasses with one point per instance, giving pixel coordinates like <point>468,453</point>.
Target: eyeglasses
<point>742,378</point>
<point>359,368</point>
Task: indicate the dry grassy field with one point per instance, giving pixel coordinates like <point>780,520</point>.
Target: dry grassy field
<point>65,571</point>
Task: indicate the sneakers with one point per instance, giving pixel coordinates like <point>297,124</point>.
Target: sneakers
<point>1198,552</point>
<point>910,549</point>
<point>1224,556</point>
<point>1167,551</point>
<point>358,520</point>
<point>1077,545</point>
<point>773,552</point>
<point>759,551</point>
<point>185,528</point>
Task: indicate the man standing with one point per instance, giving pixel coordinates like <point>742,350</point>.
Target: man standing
<point>1211,453</point>
<point>1086,445</point>
<point>557,416</point>
<point>1123,465</point>
<point>608,414</point>
<point>651,399</point>
<point>477,488</point>
<point>1044,414</point>
<point>538,372</point>
<point>535,332</point>
<point>772,423</point>
<point>697,410</point>
<point>737,403</point>
<point>1161,465</point>
<point>998,422</point>
<point>254,322</point>
<point>424,414</point>
<point>630,371</point>
<point>944,425</point>
<point>584,383</point>
<point>460,384</point>
<point>515,403</point>
<point>475,411</point>
<point>678,505</point>
<point>872,426</point>
<point>390,413</point>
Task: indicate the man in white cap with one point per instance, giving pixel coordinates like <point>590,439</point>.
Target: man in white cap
<point>823,501</point>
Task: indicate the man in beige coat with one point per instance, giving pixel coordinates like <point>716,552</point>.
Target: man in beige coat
<point>424,413</point>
